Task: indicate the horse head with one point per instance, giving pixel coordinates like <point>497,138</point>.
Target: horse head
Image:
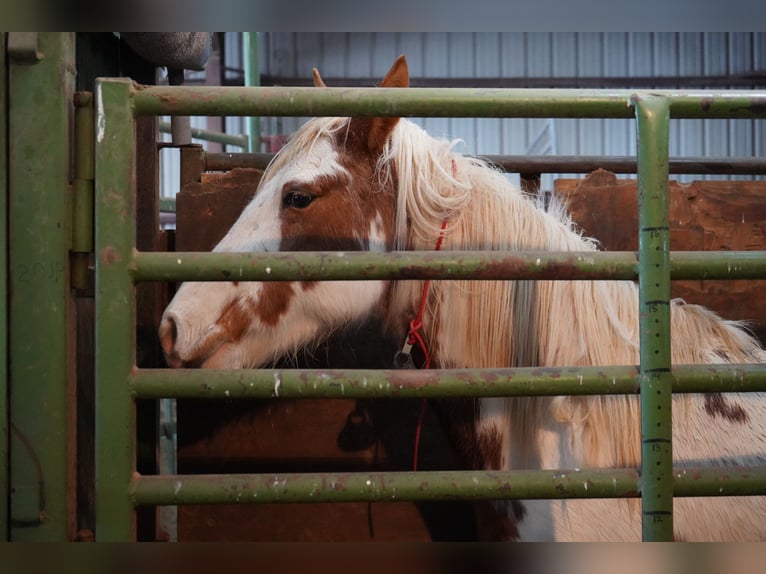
<point>322,192</point>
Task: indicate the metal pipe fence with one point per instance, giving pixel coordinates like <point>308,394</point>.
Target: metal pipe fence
<point>119,266</point>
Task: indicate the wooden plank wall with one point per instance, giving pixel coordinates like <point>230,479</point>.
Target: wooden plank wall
<point>704,216</point>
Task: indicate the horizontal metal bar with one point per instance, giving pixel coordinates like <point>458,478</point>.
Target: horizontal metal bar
<point>486,265</point>
<point>545,163</point>
<point>168,204</point>
<point>437,102</point>
<point>211,136</point>
<point>432,383</point>
<point>228,161</point>
<point>435,485</point>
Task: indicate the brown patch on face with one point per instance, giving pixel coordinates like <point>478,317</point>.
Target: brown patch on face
<point>345,205</point>
<point>716,404</point>
<point>235,319</point>
<point>273,302</point>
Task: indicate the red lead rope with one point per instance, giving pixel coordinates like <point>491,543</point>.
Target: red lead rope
<point>414,337</point>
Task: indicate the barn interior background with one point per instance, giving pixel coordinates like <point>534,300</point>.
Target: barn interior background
<point>680,61</point>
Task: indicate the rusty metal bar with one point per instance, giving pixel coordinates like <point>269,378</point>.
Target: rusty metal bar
<point>488,265</point>
<point>545,163</point>
<point>432,383</point>
<point>436,485</point>
<point>437,102</point>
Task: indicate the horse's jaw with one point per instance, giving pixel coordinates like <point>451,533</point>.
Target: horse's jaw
<point>248,325</point>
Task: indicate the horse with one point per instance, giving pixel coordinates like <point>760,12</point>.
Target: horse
<point>384,184</point>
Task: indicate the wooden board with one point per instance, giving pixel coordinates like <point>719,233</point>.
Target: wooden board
<point>704,216</point>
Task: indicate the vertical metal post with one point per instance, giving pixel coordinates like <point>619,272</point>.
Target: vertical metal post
<point>39,234</point>
<point>252,78</point>
<point>115,331</point>
<point>5,491</point>
<point>653,117</point>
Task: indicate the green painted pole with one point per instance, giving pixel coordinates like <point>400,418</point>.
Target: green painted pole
<point>251,60</point>
<point>487,265</point>
<point>653,118</point>
<point>436,485</point>
<point>211,136</point>
<point>39,234</point>
<point>115,306</point>
<point>435,102</point>
<point>5,487</point>
<point>432,383</point>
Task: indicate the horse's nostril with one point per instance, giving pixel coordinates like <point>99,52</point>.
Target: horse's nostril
<point>168,336</point>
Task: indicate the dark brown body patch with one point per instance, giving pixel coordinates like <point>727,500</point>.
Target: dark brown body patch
<point>717,405</point>
<point>480,451</point>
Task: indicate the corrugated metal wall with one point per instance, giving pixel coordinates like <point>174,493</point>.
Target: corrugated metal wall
<point>530,55</point>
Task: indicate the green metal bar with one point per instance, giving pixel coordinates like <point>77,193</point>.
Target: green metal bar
<point>115,302</point>
<point>168,204</point>
<point>435,485</point>
<point>40,235</point>
<point>306,266</point>
<point>251,62</point>
<point>211,136</point>
<point>5,487</point>
<point>653,116</point>
<point>396,383</point>
<point>436,102</point>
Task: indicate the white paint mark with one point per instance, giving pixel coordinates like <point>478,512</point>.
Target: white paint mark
<point>268,270</point>
<point>101,127</point>
<point>537,261</point>
<point>178,261</point>
<point>585,486</point>
<point>369,482</point>
<point>177,487</point>
<point>226,392</point>
<point>277,384</point>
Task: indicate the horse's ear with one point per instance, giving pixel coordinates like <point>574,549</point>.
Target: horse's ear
<point>318,81</point>
<point>380,128</point>
<point>398,76</point>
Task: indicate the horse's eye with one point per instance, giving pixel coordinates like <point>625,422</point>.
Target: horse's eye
<point>298,199</point>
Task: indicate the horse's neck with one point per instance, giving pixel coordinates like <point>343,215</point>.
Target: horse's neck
<point>486,324</point>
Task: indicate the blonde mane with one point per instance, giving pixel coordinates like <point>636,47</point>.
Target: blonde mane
<point>482,324</point>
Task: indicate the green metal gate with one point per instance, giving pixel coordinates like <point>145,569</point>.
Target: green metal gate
<point>119,266</point>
